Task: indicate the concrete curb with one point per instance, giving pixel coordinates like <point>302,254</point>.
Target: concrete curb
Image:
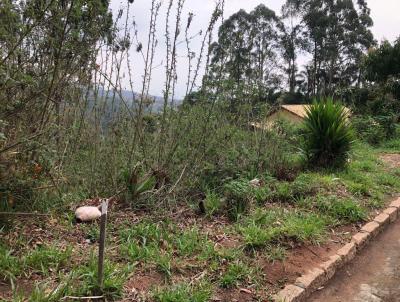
<point>317,277</point>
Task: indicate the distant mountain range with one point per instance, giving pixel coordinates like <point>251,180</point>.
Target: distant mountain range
<point>152,104</point>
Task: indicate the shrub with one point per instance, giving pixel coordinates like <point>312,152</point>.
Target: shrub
<point>328,137</point>
<point>281,160</point>
<point>238,194</point>
<point>212,203</point>
<point>374,130</point>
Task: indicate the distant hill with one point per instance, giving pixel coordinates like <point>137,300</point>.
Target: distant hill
<point>152,104</point>
<point>112,103</point>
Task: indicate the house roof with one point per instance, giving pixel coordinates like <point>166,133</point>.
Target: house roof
<point>297,110</point>
<point>301,110</point>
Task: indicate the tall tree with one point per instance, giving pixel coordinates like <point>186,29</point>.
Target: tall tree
<point>291,43</point>
<point>338,34</point>
<point>245,56</point>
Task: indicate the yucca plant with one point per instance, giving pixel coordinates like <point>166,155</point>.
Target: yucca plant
<point>328,136</point>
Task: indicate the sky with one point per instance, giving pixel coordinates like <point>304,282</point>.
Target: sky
<point>385,14</point>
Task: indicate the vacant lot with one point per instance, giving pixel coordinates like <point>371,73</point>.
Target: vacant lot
<point>184,255</point>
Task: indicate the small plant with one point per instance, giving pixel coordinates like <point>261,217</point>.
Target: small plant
<point>257,237</point>
<point>236,272</point>
<point>164,264</point>
<point>189,242</point>
<point>184,293</point>
<point>276,253</point>
<point>282,192</point>
<point>10,266</point>
<point>114,278</point>
<point>212,203</point>
<point>369,130</point>
<point>238,195</point>
<point>261,194</point>
<point>304,227</point>
<point>347,210</point>
<point>44,259</point>
<point>142,242</point>
<point>328,137</point>
<point>137,184</point>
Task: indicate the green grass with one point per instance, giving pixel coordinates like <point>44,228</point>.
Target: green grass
<point>273,225</point>
<point>235,272</point>
<point>115,276</point>
<point>45,259</point>
<point>274,217</point>
<point>341,210</point>
<point>212,203</point>
<point>10,265</point>
<point>42,260</point>
<point>164,264</point>
<point>184,293</point>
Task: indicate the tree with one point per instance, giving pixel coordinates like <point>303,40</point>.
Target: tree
<point>48,53</point>
<point>244,59</point>
<point>338,34</point>
<point>383,63</point>
<point>291,42</point>
<point>382,71</point>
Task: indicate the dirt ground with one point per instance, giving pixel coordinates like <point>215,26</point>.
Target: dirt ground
<point>392,160</point>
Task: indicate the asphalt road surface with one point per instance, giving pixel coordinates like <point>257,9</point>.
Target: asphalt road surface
<point>373,276</point>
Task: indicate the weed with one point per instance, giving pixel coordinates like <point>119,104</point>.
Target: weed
<point>45,259</point>
<point>344,210</point>
<point>184,293</point>
<point>275,253</point>
<point>263,227</point>
<point>114,278</point>
<point>304,226</point>
<point>255,236</point>
<point>282,192</point>
<point>163,264</point>
<point>261,194</point>
<point>238,194</point>
<point>142,241</point>
<point>10,266</point>
<point>235,272</point>
<point>212,203</point>
<point>189,242</point>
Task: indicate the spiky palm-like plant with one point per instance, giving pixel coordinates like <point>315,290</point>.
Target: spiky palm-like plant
<point>328,136</point>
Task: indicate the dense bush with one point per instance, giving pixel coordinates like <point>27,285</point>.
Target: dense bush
<point>238,194</point>
<point>374,130</point>
<point>328,136</point>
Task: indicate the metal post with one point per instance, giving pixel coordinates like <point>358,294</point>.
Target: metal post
<point>102,242</point>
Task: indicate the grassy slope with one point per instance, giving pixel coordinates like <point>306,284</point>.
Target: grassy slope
<point>191,258</point>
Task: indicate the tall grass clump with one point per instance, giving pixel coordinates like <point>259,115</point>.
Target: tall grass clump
<point>328,136</point>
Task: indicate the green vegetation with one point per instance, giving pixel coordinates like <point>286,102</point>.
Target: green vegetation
<point>204,192</point>
<point>234,273</point>
<point>184,293</point>
<point>328,136</point>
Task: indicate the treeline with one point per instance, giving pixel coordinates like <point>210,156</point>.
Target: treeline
<point>313,48</point>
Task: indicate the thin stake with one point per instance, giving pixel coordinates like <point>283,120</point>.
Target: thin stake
<point>102,242</point>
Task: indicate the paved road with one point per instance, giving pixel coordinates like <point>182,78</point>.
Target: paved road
<point>373,276</point>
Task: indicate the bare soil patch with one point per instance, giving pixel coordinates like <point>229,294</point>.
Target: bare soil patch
<point>392,160</point>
